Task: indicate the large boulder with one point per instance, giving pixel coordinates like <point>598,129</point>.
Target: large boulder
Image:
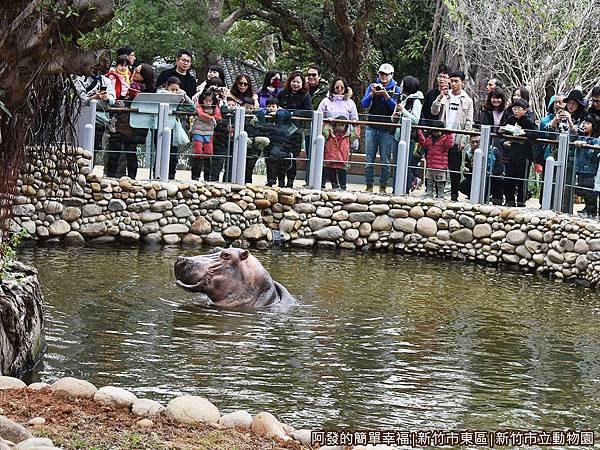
<point>22,319</point>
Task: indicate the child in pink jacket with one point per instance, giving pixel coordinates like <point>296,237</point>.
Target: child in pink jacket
<point>436,145</point>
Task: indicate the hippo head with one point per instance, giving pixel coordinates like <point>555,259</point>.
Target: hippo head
<point>230,277</point>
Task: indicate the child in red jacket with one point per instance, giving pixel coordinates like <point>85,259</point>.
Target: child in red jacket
<point>338,138</point>
<point>436,145</point>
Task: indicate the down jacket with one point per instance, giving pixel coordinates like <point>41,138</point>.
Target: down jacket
<point>437,150</point>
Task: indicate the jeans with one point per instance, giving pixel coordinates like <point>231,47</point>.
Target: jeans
<point>378,140</point>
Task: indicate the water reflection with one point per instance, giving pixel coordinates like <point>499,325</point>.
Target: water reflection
<point>377,340</point>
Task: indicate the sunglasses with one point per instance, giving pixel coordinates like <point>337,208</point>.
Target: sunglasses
<point>383,74</point>
<point>312,75</point>
<point>242,83</point>
<point>595,100</point>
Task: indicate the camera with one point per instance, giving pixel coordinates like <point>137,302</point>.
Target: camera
<point>378,88</point>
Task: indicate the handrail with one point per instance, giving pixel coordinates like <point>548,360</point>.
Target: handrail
<point>396,125</point>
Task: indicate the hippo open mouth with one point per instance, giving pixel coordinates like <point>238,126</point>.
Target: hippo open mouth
<point>195,274</point>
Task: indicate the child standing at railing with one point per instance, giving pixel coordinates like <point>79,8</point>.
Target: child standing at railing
<point>436,146</point>
<point>338,138</point>
<point>208,113</point>
<point>586,165</point>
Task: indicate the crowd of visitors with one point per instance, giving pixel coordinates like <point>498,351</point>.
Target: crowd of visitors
<point>278,123</point>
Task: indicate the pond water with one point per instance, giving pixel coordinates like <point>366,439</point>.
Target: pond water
<point>377,340</point>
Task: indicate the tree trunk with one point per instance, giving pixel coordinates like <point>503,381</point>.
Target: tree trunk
<point>21,320</point>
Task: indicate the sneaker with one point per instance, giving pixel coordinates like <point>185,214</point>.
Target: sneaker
<point>383,188</point>
<point>416,183</point>
<point>369,188</point>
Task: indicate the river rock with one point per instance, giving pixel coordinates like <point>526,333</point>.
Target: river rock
<point>303,242</point>
<point>26,210</point>
<point>407,225</point>
<point>304,436</point>
<point>114,396</point>
<point>317,223</point>
<point>92,230</point>
<point>38,386</point>
<point>351,234</point>
<point>581,246</point>
<point>378,209</point>
<point>365,216</point>
<point>232,232</point>
<point>71,213</point>
<point>340,215</point>
<point>128,237</point>
<point>53,207</point>
<point>467,221</point>
<point>463,236</point>
<point>175,228</point>
<point>91,210</point>
<point>555,257</point>
<point>381,223</point>
<point>482,230</point>
<point>182,211</point>
<point>116,205</point>
<point>192,409</point>
<point>152,238</point>
<point>11,383</point>
<point>239,419</point>
<point>59,228</point>
<point>535,235</point>
<point>12,431</point>
<point>161,206</point>
<point>171,239</point>
<point>255,231</point>
<point>434,213</point>
<point>147,408</point>
<point>201,226</point>
<point>324,212</point>
<point>36,421</point>
<point>214,239</point>
<point>328,233</point>
<point>231,208</point>
<point>426,226</point>
<point>73,387</point>
<point>516,237</point>
<point>356,207</point>
<point>265,424</point>
<point>594,245</point>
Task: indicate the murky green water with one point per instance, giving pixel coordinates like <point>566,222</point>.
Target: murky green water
<point>377,340</point>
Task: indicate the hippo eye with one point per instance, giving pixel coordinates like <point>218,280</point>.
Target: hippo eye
<point>225,255</point>
<point>244,255</point>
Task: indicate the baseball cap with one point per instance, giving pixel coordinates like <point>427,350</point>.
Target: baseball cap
<point>386,68</point>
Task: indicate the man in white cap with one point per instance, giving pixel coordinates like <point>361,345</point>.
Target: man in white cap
<point>380,99</point>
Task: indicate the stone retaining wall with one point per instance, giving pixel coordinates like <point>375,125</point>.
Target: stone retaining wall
<point>195,213</point>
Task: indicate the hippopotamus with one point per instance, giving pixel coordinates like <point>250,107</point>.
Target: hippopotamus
<point>231,278</point>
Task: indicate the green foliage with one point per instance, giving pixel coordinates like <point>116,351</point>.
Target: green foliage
<point>8,251</point>
<point>158,29</point>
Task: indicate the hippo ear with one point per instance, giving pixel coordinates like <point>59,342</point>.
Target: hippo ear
<point>244,255</point>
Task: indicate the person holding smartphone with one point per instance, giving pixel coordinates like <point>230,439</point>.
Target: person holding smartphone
<point>96,86</point>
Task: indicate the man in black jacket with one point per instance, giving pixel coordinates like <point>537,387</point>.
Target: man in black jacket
<point>442,79</point>
<point>181,71</point>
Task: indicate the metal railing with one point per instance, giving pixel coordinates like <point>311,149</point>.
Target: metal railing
<point>555,170</point>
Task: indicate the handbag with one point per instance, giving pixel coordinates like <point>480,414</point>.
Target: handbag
<point>180,136</point>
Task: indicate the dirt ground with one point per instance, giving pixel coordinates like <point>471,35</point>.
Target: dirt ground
<point>87,425</point>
